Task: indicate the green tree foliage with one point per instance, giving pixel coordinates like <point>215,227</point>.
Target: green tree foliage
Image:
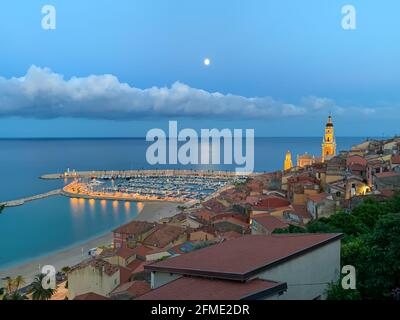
<point>15,296</point>
<point>383,258</point>
<point>11,291</point>
<point>65,269</point>
<point>336,292</point>
<point>38,292</point>
<point>371,244</point>
<point>291,229</point>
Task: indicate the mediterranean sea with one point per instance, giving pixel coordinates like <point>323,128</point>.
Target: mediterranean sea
<point>44,226</point>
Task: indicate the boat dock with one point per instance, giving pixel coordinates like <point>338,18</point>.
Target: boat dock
<point>20,202</point>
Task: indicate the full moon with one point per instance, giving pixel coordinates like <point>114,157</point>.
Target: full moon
<point>207,62</point>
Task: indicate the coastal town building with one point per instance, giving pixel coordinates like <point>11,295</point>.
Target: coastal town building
<point>387,180</point>
<point>165,235</point>
<point>205,234</point>
<point>269,203</point>
<point>95,276</point>
<point>225,224</point>
<point>305,160</point>
<point>328,150</point>
<point>395,163</point>
<point>266,224</point>
<point>320,205</point>
<point>297,266</point>
<point>131,233</point>
<point>299,215</point>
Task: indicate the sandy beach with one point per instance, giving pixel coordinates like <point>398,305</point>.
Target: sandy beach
<point>152,211</point>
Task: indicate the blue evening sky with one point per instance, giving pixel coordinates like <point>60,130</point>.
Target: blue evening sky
<point>283,49</point>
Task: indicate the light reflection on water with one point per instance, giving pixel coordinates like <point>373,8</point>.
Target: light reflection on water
<point>127,206</point>
<point>140,207</point>
<point>58,222</point>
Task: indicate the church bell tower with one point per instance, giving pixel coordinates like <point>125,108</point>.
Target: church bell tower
<point>328,143</point>
<point>288,161</point>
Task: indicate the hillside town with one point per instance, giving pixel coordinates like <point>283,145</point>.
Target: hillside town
<point>227,247</point>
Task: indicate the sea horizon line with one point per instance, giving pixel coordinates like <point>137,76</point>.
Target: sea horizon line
<point>143,137</point>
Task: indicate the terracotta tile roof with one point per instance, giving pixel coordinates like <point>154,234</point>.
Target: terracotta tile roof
<point>90,296</point>
<point>271,203</point>
<point>231,220</point>
<point>99,264</point>
<point>252,199</point>
<point>142,251</point>
<point>286,208</point>
<point>135,228</point>
<point>203,214</point>
<point>317,197</point>
<point>125,252</point>
<point>124,274</point>
<point>133,289</point>
<point>188,288</point>
<point>244,257</point>
<point>270,222</point>
<point>303,179</point>
<point>135,264</point>
<point>107,252</point>
<point>163,235</point>
<point>137,267</point>
<point>301,211</point>
<point>214,205</point>
<point>395,159</point>
<point>356,159</point>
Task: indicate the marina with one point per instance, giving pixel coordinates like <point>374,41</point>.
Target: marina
<point>145,187</point>
<point>126,174</point>
<point>138,185</point>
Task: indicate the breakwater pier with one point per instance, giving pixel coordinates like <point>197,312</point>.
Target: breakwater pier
<point>19,202</point>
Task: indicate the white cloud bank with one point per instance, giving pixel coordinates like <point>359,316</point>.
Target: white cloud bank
<point>42,93</point>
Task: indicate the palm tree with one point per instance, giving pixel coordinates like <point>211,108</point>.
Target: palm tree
<point>65,269</point>
<point>18,282</point>
<point>9,285</point>
<point>15,296</point>
<point>38,292</point>
<point>10,292</point>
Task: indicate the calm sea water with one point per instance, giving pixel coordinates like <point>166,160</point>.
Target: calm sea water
<point>44,226</point>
